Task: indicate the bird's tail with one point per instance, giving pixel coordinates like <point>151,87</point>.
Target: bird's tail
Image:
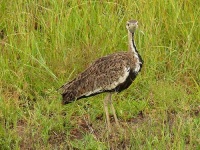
<point>68,97</point>
<point>69,92</point>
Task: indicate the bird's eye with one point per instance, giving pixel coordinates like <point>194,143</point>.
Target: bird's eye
<point>128,24</point>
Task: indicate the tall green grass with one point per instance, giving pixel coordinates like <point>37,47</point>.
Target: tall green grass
<point>44,44</point>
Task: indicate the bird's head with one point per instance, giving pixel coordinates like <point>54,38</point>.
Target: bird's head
<point>132,25</point>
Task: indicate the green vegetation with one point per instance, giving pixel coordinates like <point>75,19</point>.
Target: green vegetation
<point>46,43</point>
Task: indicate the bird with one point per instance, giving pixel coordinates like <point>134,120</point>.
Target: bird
<point>109,74</point>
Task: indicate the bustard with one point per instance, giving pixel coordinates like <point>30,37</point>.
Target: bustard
<point>112,73</point>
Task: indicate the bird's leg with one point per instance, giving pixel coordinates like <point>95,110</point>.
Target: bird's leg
<point>106,100</point>
<point>113,110</point>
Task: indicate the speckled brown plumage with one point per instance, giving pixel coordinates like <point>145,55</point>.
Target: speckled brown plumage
<point>99,75</point>
<point>112,73</point>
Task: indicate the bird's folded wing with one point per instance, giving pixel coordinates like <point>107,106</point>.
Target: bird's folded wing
<point>105,74</point>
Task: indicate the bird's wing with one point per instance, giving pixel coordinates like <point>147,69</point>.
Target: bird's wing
<point>106,81</point>
<point>105,74</point>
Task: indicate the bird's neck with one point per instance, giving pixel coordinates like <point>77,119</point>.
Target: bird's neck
<point>131,43</point>
<point>133,51</point>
